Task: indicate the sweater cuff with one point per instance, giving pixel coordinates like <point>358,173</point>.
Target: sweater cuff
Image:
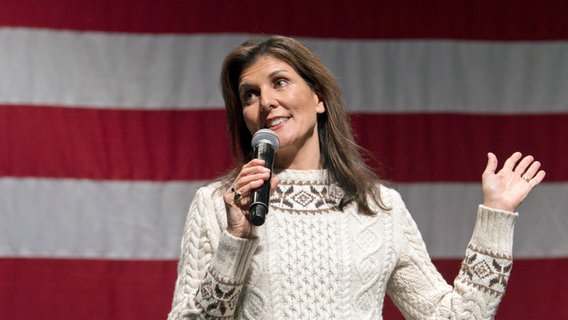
<point>233,257</point>
<point>494,230</point>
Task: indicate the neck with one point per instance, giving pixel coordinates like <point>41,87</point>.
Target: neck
<point>298,160</point>
<point>303,154</point>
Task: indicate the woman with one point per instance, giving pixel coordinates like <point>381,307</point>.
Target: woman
<point>336,239</point>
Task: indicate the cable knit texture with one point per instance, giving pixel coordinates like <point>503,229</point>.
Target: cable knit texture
<point>312,261</point>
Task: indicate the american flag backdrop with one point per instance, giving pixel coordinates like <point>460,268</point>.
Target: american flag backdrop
<point>111,117</point>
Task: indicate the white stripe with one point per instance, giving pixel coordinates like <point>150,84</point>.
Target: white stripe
<point>99,70</point>
<point>144,220</point>
<point>445,214</point>
<point>90,219</point>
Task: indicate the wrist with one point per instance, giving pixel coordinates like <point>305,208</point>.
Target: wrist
<point>497,205</point>
<point>244,233</point>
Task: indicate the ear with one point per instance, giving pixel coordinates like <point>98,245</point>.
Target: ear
<point>320,108</point>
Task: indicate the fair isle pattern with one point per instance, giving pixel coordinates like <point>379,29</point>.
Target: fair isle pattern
<point>306,196</point>
<point>216,298</point>
<point>486,270</point>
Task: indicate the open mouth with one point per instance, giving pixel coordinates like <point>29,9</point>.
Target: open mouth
<point>275,122</point>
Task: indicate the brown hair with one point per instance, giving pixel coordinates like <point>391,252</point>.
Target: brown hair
<point>340,155</point>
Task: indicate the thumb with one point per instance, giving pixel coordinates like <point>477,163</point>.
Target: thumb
<point>273,184</point>
<point>491,163</point>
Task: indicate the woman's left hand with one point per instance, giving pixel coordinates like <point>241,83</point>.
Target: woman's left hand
<point>507,188</point>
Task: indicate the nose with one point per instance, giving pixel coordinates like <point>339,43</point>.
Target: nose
<point>267,102</point>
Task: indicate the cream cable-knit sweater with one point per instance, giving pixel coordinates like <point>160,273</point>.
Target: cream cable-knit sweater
<point>312,261</point>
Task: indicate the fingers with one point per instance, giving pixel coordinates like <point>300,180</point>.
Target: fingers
<point>523,165</point>
<point>238,196</point>
<point>538,178</point>
<point>252,176</point>
<point>527,168</point>
<point>532,168</point>
<point>512,160</point>
<point>533,175</point>
<point>491,163</point>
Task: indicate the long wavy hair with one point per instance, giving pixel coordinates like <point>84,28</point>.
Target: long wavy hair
<point>340,155</point>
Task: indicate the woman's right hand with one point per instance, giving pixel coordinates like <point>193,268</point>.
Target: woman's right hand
<point>238,197</point>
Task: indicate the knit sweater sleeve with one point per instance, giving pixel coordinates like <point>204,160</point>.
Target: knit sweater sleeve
<point>212,264</point>
<point>420,292</point>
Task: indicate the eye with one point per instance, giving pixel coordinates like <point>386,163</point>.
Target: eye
<point>280,83</point>
<point>248,97</point>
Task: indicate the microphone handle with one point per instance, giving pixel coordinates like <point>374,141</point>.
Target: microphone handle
<point>260,197</point>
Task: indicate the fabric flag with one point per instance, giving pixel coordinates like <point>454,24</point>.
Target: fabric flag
<point>111,117</point>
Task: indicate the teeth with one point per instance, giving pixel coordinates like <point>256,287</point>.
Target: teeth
<point>276,121</point>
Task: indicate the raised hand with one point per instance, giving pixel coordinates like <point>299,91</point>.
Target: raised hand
<point>507,188</point>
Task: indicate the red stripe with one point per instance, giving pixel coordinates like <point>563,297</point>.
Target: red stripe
<point>85,289</point>
<point>453,147</point>
<point>487,20</point>
<point>112,144</point>
<point>104,289</point>
<point>192,145</point>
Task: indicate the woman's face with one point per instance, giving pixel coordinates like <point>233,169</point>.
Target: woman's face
<point>274,96</point>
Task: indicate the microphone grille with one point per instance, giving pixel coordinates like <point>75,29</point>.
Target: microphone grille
<point>266,136</point>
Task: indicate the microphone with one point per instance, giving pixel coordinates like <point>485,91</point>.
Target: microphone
<point>265,143</point>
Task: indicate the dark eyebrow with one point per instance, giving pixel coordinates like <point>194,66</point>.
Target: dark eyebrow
<point>244,86</point>
<point>275,72</point>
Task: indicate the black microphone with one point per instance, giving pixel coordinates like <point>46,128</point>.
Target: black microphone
<point>265,143</point>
